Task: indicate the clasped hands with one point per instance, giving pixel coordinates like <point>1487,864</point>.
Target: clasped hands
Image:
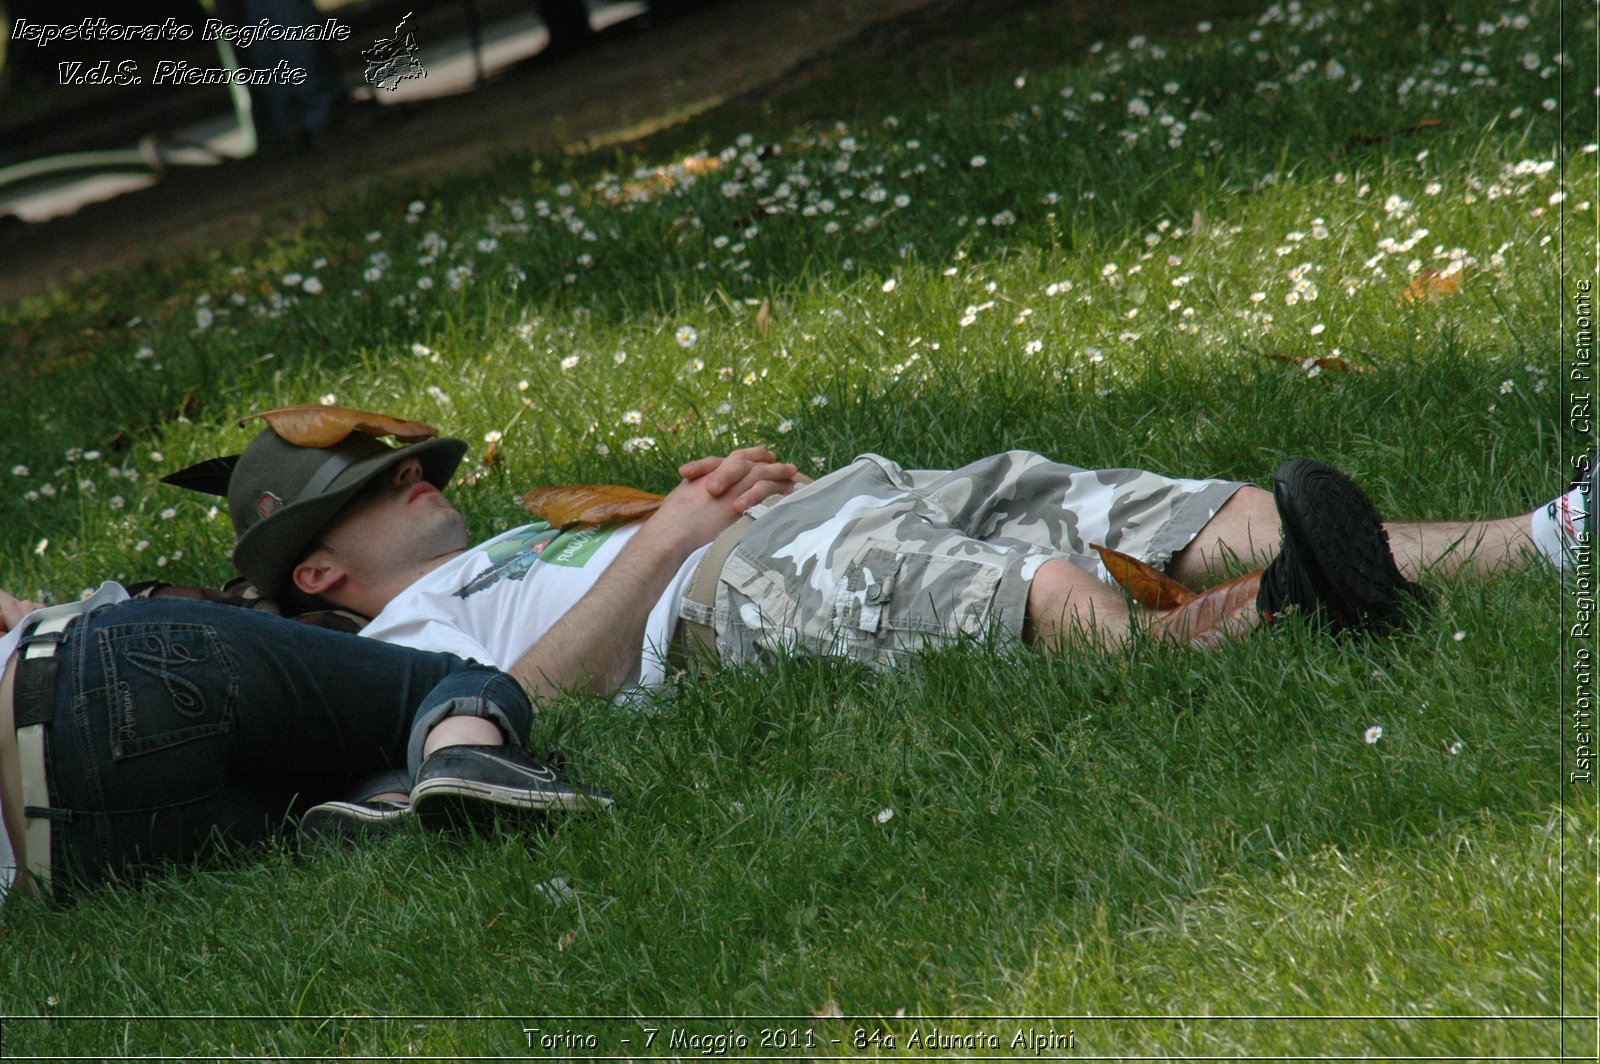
<point>715,491</point>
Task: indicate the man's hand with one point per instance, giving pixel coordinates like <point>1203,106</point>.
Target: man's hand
<point>755,469</point>
<point>13,609</point>
<point>715,492</point>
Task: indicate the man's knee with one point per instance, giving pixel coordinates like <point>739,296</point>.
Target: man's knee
<point>1245,530</point>
<point>1249,503</point>
<point>1063,600</point>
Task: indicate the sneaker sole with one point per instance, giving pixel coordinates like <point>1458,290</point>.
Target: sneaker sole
<point>339,823</point>
<point>1339,536</point>
<point>445,801</point>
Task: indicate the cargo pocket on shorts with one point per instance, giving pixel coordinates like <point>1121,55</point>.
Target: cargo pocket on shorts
<point>755,616</point>
<point>901,598</point>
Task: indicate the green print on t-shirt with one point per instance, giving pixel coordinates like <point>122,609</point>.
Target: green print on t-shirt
<point>513,557</point>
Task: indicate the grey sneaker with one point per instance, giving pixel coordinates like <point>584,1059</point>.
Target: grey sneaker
<point>351,821</point>
<point>463,784</point>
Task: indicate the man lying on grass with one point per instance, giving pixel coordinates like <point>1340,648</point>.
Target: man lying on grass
<point>747,559</point>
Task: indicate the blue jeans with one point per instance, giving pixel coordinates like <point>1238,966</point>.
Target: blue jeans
<point>181,724</point>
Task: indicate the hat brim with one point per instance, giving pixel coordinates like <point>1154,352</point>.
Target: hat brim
<point>267,552</point>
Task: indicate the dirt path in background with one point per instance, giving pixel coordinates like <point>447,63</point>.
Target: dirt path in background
<point>625,88</point>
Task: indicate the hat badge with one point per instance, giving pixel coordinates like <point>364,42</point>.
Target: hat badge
<point>268,504</point>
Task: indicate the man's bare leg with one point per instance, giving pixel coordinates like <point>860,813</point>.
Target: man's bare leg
<point>1449,546</point>
<point>1246,531</point>
<point>462,731</point>
<point>1066,604</point>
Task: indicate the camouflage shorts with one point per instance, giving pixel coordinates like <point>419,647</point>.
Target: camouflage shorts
<point>873,561</point>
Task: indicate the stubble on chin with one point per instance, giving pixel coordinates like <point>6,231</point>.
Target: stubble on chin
<point>448,533</point>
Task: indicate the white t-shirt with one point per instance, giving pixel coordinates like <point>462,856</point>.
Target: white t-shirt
<point>106,593</point>
<point>499,598</point>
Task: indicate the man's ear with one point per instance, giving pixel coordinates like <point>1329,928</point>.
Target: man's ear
<point>318,573</point>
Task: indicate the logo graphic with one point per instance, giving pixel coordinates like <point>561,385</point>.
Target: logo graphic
<point>392,60</point>
<point>515,556</point>
<point>539,773</point>
<point>268,504</point>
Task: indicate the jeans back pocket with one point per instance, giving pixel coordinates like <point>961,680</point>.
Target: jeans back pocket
<point>165,685</point>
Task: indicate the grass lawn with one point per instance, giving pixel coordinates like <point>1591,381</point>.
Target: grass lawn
<point>1353,231</point>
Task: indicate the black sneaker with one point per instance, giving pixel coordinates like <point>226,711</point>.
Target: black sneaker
<point>459,784</point>
<point>351,821</point>
<point>1335,563</point>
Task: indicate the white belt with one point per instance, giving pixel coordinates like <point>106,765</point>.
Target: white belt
<point>30,758</point>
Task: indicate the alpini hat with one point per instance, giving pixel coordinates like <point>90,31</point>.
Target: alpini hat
<point>296,476</point>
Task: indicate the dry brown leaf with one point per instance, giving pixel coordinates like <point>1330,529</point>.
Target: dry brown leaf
<point>590,504</point>
<point>1426,123</point>
<point>1431,284</point>
<point>662,179</point>
<point>678,226</point>
<point>314,425</point>
<point>1149,586</point>
<point>1213,616</point>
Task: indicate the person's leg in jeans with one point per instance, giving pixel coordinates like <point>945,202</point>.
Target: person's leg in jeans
<point>179,724</point>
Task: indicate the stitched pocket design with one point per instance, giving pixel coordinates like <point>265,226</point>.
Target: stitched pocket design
<point>170,684</point>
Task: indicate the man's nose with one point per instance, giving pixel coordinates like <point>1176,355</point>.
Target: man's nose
<point>407,472</point>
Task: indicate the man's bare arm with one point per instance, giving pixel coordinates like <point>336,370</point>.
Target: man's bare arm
<point>596,646</point>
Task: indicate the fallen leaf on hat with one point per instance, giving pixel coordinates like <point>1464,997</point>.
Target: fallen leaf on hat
<point>1149,586</point>
<point>314,425</point>
<point>590,504</point>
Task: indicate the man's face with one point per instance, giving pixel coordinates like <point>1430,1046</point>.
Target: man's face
<point>398,522</point>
